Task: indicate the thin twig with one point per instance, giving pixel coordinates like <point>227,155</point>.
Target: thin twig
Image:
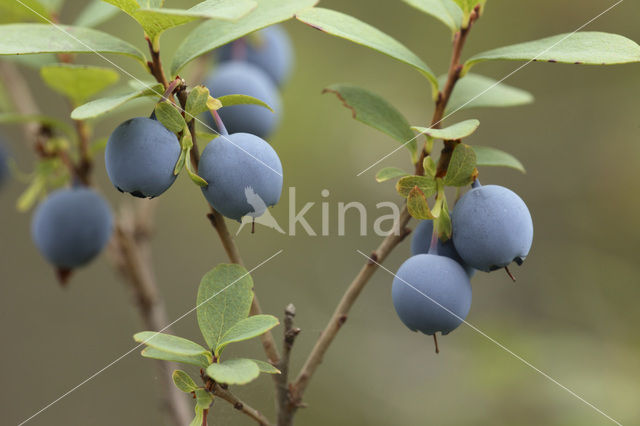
<point>284,394</point>
<point>388,244</point>
<point>239,405</point>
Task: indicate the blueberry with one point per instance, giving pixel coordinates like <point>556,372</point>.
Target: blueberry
<point>270,49</point>
<point>242,78</point>
<point>244,175</point>
<point>492,227</point>
<point>71,226</point>
<point>140,157</point>
<point>424,286</point>
<point>421,241</point>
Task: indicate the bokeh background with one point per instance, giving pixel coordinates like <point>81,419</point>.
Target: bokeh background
<point>573,312</point>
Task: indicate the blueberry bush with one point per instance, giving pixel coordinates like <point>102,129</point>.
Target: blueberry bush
<point>216,130</point>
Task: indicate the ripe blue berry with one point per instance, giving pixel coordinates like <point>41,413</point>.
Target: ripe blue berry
<point>431,294</point>
<point>242,78</point>
<point>71,226</point>
<point>492,227</point>
<point>140,157</point>
<point>270,49</point>
<point>238,168</point>
<point>421,241</point>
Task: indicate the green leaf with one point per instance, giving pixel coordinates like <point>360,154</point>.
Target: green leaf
<point>35,61</point>
<point>229,100</point>
<point>429,167</point>
<point>23,39</point>
<point>457,131</point>
<point>486,156</point>
<point>467,7</point>
<point>183,381</point>
<point>170,117</point>
<point>224,298</point>
<point>477,91</point>
<point>199,417</point>
<point>155,21</point>
<point>446,11</point>
<point>443,221</point>
<point>373,110</point>
<point>101,106</point>
<point>417,205</point>
<point>350,28</point>
<point>211,34</point>
<point>589,48</point>
<point>426,184</point>
<point>95,13</point>
<point>197,101</point>
<point>265,367</point>
<point>204,399</point>
<point>461,167</point>
<point>169,343</point>
<point>237,371</point>
<point>198,360</point>
<point>246,329</point>
<point>389,173</point>
<point>78,82</point>
<point>38,118</point>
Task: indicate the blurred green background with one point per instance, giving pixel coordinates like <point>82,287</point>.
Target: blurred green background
<point>573,312</point>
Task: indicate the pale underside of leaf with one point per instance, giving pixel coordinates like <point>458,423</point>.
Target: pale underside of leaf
<point>456,131</point>
<point>477,91</point>
<point>23,39</point>
<point>589,48</point>
<point>446,11</point>
<point>486,156</point>
<point>101,106</point>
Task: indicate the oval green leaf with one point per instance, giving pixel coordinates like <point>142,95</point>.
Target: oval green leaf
<point>487,156</point>
<point>265,367</point>
<point>417,205</point>
<point>461,167</point>
<point>238,371</point>
<point>389,173</point>
<point>477,91</point>
<point>183,381</point>
<point>102,106</point>
<point>457,131</point>
<point>201,361</point>
<point>24,39</point>
<point>246,329</point>
<point>224,298</point>
<point>375,111</point>
<point>229,100</point>
<point>169,343</point>
<point>349,28</point>
<point>589,48</point>
<point>211,34</point>
<point>426,184</point>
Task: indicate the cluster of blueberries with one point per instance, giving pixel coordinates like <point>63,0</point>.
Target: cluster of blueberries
<point>491,227</point>
<point>71,226</point>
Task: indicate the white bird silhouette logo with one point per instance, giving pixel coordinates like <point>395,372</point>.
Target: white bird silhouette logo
<point>260,213</point>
